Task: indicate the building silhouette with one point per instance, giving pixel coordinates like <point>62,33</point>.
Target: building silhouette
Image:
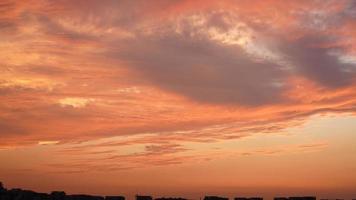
<point>215,198</point>
<point>170,198</point>
<point>139,197</point>
<point>296,198</point>
<point>249,198</point>
<point>114,198</point>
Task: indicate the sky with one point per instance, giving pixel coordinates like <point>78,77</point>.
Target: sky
<point>179,98</point>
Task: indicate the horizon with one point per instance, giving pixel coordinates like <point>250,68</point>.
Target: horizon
<point>179,97</point>
<point>138,196</point>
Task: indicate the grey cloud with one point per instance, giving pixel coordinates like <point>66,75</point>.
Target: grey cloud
<point>7,24</point>
<point>9,128</point>
<point>205,70</point>
<point>164,149</point>
<point>316,63</point>
<point>193,65</point>
<point>46,70</point>
<point>112,13</point>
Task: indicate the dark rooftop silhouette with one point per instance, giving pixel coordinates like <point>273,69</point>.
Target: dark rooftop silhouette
<point>281,198</point>
<point>215,198</point>
<point>56,195</point>
<point>302,198</point>
<point>170,198</point>
<point>19,194</point>
<point>139,197</point>
<point>333,199</point>
<point>250,198</point>
<point>114,198</point>
<point>295,198</point>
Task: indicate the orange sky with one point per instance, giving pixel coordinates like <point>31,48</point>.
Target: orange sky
<point>179,98</point>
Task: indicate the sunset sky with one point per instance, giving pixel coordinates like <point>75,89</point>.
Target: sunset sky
<point>179,98</point>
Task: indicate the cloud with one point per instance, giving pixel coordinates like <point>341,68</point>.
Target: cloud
<point>48,142</point>
<point>75,102</point>
<point>290,149</point>
<point>184,72</point>
<point>204,70</point>
<point>187,56</point>
<point>317,63</point>
<point>164,149</point>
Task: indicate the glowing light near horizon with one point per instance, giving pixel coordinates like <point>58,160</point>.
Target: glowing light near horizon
<point>75,102</point>
<point>48,142</point>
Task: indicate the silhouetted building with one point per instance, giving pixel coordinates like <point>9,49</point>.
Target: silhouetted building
<point>170,198</point>
<point>83,197</point>
<point>19,194</point>
<point>24,194</point>
<point>58,195</point>
<point>42,196</point>
<point>255,198</point>
<point>114,198</point>
<point>295,198</point>
<point>139,197</point>
<point>240,198</point>
<point>215,198</point>
<point>302,198</point>
<point>250,198</point>
<point>1,187</point>
<point>331,199</point>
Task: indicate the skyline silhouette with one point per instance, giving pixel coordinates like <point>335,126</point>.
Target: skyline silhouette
<point>21,194</point>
